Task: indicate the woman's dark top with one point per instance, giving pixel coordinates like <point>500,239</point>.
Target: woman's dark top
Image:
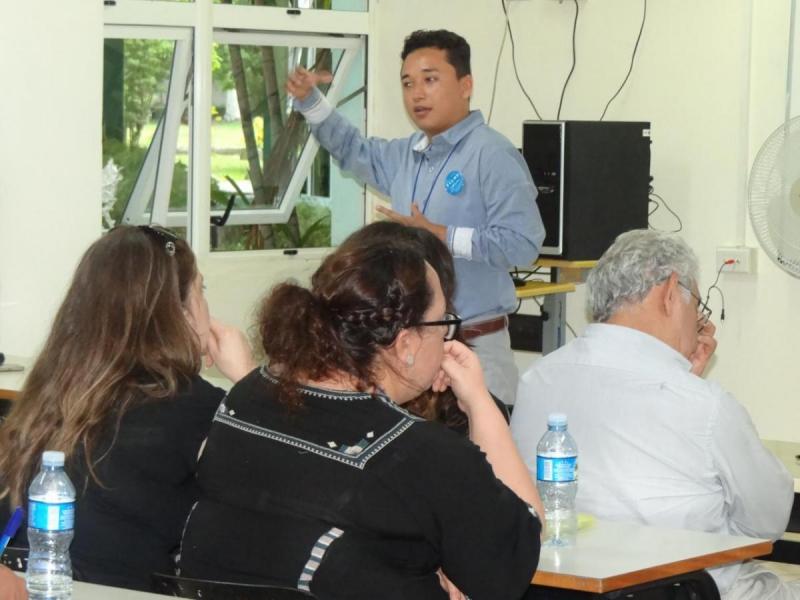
<point>130,525</point>
<point>352,497</point>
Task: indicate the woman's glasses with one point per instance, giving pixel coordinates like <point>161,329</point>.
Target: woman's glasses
<point>451,321</point>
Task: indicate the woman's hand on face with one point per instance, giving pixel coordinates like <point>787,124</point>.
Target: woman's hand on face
<point>441,382</point>
<point>453,593</point>
<point>11,586</point>
<point>462,371</point>
<point>229,350</point>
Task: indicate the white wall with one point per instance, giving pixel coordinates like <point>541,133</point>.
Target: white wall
<point>710,105</point>
<point>51,62</point>
<point>692,81</point>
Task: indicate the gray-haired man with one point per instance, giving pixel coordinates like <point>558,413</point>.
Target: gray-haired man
<point>659,444</point>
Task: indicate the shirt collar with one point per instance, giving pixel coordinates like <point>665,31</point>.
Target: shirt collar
<point>453,135</point>
<point>629,341</point>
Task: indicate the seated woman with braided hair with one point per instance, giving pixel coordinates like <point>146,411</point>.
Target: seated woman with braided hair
<point>315,477</point>
<point>441,406</point>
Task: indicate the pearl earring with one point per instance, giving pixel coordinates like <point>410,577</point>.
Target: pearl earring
<point>409,360</point>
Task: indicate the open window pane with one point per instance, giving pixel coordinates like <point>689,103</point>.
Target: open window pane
<point>262,170</point>
<point>344,5</point>
<point>146,112</point>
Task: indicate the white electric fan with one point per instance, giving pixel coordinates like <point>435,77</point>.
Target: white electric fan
<point>774,196</point>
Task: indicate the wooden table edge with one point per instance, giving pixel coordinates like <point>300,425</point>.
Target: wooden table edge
<point>560,263</point>
<point>534,289</point>
<point>8,394</point>
<point>681,567</point>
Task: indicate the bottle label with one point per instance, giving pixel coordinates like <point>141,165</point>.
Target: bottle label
<point>557,469</point>
<point>51,516</point>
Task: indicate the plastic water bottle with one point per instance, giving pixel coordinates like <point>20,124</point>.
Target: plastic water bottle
<point>51,518</point>
<point>557,481</point>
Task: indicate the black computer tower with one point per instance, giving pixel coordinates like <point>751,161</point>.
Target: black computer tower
<point>593,179</point>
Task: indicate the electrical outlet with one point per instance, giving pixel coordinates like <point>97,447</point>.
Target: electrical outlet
<point>743,259</point>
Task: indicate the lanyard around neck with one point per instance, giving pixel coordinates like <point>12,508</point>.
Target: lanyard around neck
<point>435,179</point>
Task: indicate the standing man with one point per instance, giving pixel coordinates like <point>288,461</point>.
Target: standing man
<point>456,177</point>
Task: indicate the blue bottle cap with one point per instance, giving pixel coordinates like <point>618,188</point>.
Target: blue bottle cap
<point>556,420</point>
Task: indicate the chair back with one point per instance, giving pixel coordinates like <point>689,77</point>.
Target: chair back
<point>186,587</point>
<point>15,558</point>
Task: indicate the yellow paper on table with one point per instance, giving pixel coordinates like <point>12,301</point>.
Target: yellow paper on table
<point>585,521</point>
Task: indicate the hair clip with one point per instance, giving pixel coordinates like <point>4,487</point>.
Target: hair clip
<point>163,235</point>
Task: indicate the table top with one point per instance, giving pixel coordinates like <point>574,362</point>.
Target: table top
<point>559,263</point>
<point>543,288</point>
<point>648,554</point>
<point>11,381</point>
<point>787,452</point>
<point>90,591</point>
<point>610,555</point>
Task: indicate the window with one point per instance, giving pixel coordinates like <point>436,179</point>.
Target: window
<point>264,163</point>
<point>146,105</point>
<point>347,5</point>
<point>249,173</point>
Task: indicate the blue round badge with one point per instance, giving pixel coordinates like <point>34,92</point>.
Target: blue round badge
<point>454,183</point>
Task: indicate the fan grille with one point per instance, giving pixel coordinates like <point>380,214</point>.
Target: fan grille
<point>775,196</point>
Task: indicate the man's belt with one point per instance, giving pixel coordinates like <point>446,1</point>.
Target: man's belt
<point>474,330</point>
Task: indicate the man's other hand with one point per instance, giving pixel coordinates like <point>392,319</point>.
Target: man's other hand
<point>417,219</point>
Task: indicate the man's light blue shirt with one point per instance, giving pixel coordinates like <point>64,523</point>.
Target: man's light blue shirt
<point>492,219</point>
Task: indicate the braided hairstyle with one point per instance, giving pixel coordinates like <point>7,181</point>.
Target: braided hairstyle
<point>434,406</point>
<point>361,297</point>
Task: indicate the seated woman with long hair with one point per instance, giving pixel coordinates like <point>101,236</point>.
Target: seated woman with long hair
<point>315,477</point>
<point>117,388</point>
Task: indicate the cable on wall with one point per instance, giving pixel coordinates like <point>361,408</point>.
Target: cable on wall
<point>659,202</point>
<point>514,60</point>
<point>572,68</point>
<point>633,57</point>
<point>496,71</point>
<point>714,286</point>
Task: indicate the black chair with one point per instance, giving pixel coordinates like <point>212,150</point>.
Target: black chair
<point>5,407</point>
<point>186,587</point>
<point>15,559</point>
<point>698,585</point>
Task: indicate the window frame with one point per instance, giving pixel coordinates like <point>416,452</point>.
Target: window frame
<point>158,165</point>
<point>202,20</point>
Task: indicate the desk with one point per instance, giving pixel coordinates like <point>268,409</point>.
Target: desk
<point>564,274</point>
<point>90,591</point>
<point>609,556</point>
<point>786,453</point>
<point>11,381</point>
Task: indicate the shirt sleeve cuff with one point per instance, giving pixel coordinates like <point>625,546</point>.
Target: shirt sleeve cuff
<point>315,107</point>
<point>459,240</point>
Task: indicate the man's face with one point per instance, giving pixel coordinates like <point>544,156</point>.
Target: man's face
<point>435,98</point>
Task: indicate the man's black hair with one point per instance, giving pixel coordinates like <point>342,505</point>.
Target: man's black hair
<point>456,47</point>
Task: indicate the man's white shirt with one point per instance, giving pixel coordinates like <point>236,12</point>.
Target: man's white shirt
<point>657,444</point>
